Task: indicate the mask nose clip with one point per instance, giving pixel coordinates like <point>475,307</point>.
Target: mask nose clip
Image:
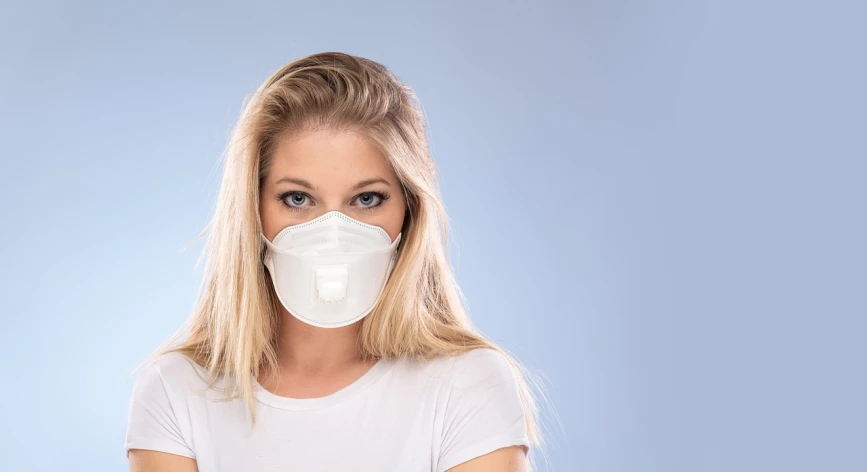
<point>331,283</point>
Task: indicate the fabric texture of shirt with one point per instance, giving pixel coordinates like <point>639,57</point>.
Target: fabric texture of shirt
<point>401,415</point>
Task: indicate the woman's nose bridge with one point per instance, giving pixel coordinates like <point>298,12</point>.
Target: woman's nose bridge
<point>331,201</point>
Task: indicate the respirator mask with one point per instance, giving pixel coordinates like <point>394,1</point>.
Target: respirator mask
<point>329,272</point>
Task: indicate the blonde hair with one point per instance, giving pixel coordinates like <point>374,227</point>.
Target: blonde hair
<point>232,330</point>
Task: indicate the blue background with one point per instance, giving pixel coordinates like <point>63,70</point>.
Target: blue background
<point>658,205</point>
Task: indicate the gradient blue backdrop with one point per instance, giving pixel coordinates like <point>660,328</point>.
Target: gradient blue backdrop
<point>658,205</point>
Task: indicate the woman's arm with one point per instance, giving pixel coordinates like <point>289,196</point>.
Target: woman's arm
<point>142,460</point>
<point>507,459</point>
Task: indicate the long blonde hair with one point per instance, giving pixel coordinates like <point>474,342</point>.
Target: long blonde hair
<point>421,314</point>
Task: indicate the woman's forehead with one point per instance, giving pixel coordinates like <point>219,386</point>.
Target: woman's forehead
<point>330,158</point>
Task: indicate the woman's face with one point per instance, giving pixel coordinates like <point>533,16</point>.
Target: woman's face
<point>315,172</point>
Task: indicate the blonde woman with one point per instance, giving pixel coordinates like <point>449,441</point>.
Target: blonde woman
<point>329,333</point>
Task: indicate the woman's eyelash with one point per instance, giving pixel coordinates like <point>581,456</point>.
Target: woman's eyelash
<point>382,196</point>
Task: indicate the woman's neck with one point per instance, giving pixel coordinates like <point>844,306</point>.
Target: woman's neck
<point>307,349</point>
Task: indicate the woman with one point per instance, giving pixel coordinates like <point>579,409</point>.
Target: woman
<point>329,333</point>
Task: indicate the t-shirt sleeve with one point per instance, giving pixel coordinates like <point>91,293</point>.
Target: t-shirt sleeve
<point>484,411</point>
<point>153,421</point>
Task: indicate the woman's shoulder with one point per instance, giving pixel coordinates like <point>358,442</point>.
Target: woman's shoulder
<point>170,371</point>
<point>481,408</point>
<point>474,368</point>
<point>160,405</point>
<point>173,364</point>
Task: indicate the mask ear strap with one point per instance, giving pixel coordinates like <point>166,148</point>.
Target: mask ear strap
<point>399,244</point>
<point>265,250</point>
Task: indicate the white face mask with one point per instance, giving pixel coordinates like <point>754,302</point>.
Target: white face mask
<point>330,271</point>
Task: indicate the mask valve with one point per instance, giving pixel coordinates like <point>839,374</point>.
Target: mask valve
<point>331,283</point>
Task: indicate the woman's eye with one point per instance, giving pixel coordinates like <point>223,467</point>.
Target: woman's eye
<point>294,199</point>
<point>369,200</point>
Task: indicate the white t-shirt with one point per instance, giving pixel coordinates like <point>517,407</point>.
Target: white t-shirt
<point>400,415</point>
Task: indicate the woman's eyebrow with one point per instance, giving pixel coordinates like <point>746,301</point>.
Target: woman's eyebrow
<point>293,180</point>
<point>365,183</point>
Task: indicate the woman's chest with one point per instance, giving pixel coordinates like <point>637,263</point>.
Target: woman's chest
<point>369,433</point>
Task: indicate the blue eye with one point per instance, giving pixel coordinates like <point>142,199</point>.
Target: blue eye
<point>294,200</point>
<point>371,200</point>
